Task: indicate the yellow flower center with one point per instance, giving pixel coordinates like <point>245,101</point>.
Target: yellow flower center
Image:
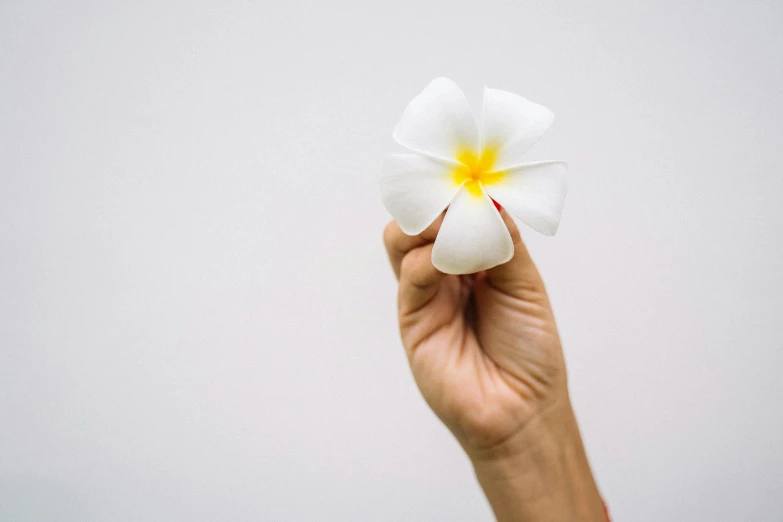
<point>476,170</point>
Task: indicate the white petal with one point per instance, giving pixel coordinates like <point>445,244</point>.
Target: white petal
<point>415,189</point>
<point>534,193</point>
<point>511,125</point>
<point>473,236</point>
<point>438,122</point>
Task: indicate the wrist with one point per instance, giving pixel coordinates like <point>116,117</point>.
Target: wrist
<point>541,472</point>
<point>549,424</point>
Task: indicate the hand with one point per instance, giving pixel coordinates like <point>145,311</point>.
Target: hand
<point>484,347</point>
<point>486,355</point>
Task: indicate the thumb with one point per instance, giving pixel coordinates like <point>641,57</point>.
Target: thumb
<point>518,277</point>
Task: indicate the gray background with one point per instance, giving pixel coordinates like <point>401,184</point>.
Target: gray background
<point>197,319</point>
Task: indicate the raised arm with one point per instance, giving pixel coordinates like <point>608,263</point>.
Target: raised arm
<point>486,355</point>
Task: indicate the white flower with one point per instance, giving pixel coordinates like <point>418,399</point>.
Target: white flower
<point>458,167</point>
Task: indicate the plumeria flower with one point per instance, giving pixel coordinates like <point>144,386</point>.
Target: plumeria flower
<point>456,166</point>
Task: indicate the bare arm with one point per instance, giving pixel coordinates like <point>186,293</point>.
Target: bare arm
<point>486,355</point>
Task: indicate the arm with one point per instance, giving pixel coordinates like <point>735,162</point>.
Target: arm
<point>543,474</point>
<point>485,353</point>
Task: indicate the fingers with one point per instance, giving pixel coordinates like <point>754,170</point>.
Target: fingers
<point>410,257</point>
<point>411,260</point>
<point>398,243</point>
<point>418,279</point>
<point>518,277</point>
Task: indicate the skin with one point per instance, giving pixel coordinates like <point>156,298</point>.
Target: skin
<point>485,353</point>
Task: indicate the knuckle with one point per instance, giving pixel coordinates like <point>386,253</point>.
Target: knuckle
<point>389,232</point>
<point>409,262</point>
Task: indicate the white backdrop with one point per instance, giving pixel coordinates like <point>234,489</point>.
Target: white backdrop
<point>197,319</point>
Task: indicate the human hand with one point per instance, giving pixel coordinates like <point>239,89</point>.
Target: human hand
<point>483,348</point>
<point>486,355</point>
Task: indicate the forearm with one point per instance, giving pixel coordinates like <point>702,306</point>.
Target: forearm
<point>542,474</point>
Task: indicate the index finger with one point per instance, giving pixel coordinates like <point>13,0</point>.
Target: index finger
<point>398,243</point>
